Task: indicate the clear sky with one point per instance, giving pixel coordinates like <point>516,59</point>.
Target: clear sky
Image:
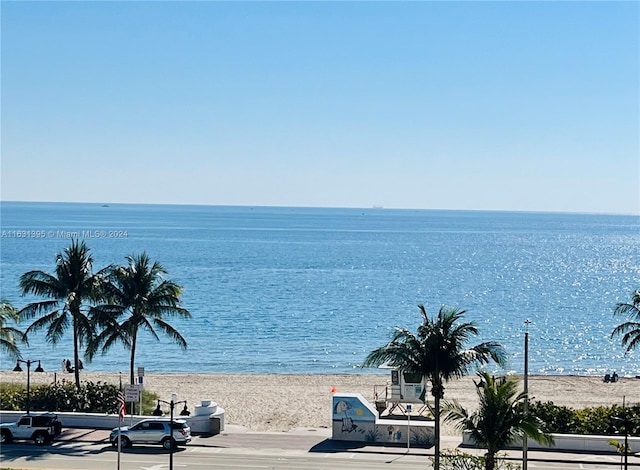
<point>529,106</point>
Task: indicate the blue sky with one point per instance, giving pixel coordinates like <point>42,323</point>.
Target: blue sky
<point>529,106</point>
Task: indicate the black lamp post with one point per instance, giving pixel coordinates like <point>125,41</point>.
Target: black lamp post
<point>526,391</point>
<point>625,424</point>
<point>17,368</point>
<point>158,412</point>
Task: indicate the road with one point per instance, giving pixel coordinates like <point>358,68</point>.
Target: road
<point>89,455</point>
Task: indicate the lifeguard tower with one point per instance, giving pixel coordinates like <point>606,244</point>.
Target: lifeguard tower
<point>403,388</point>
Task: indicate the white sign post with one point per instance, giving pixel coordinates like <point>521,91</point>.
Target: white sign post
<point>131,395</point>
<point>409,408</point>
<point>140,382</point>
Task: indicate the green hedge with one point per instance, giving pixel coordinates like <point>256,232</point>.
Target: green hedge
<point>93,397</point>
<point>600,420</point>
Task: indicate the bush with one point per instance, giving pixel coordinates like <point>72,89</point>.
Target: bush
<point>601,420</point>
<point>12,396</point>
<point>93,397</point>
<point>456,460</point>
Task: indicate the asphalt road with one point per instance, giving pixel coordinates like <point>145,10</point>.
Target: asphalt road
<point>89,449</point>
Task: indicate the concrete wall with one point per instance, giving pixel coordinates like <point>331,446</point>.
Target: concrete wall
<point>575,442</point>
<point>199,423</point>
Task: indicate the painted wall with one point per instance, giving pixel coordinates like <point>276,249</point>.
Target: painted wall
<point>355,419</point>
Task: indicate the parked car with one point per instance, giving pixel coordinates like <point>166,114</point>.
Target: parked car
<point>41,428</point>
<point>153,431</point>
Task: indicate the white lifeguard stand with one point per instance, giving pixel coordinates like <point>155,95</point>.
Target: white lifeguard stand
<point>404,388</point>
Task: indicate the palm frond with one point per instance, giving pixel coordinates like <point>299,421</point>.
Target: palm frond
<point>41,284</point>
<point>171,332</point>
<point>455,414</point>
<point>9,347</point>
<point>500,419</point>
<point>629,331</point>
<point>8,313</point>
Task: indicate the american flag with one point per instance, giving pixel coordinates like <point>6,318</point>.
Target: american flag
<point>121,408</point>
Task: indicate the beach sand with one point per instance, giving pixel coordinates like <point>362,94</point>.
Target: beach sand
<point>261,402</point>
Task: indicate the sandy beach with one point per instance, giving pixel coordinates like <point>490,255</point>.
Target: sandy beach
<point>263,402</point>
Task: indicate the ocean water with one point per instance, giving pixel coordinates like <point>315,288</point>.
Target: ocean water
<point>310,290</point>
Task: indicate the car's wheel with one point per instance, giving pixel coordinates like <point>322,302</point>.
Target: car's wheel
<point>168,443</point>
<point>41,438</point>
<point>125,442</point>
<point>5,436</point>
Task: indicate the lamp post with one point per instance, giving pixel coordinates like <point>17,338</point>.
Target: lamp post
<point>625,424</point>
<point>158,412</point>
<point>17,368</point>
<point>526,390</point>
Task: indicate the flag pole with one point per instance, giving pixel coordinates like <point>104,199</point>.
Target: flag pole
<point>119,431</point>
<point>121,413</point>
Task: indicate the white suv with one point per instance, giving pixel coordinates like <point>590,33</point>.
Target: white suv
<point>153,431</point>
<point>42,428</point>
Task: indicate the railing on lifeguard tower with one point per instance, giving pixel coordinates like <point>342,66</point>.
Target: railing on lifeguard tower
<point>404,388</point>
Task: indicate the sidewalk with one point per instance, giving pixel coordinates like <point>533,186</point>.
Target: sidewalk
<point>319,440</point>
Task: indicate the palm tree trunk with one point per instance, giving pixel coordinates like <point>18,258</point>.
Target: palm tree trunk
<point>436,460</point>
<point>133,359</point>
<point>490,461</point>
<point>76,354</point>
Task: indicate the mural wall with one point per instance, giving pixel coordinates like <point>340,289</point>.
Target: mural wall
<point>355,419</point>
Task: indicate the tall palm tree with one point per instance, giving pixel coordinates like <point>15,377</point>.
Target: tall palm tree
<point>145,298</point>
<point>10,336</point>
<point>438,353</point>
<point>500,419</point>
<point>629,330</point>
<point>71,291</point>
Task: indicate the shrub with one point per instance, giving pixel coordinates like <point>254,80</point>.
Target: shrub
<point>601,420</point>
<point>12,396</point>
<point>93,397</point>
<point>456,460</point>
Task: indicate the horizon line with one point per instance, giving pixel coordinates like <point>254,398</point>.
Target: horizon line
<point>375,207</point>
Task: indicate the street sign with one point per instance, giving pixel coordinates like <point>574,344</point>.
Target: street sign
<point>140,371</point>
<point>131,392</point>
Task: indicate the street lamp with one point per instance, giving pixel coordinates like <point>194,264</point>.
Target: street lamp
<point>17,368</point>
<point>526,389</point>
<point>158,412</point>
<point>625,424</point>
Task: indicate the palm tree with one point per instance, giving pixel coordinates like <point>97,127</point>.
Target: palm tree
<point>437,352</point>
<point>10,336</point>
<point>146,298</point>
<point>68,291</point>
<point>500,419</point>
<point>629,330</point>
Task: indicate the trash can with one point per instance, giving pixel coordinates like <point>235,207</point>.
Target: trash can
<point>214,425</point>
